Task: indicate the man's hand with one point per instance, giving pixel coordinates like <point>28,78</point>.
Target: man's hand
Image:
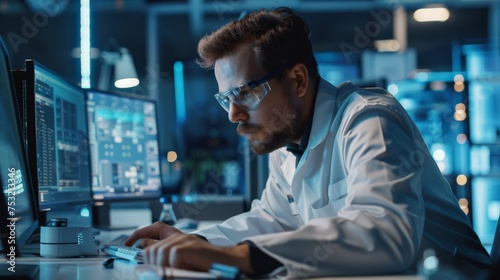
<point>151,234</point>
<point>190,252</point>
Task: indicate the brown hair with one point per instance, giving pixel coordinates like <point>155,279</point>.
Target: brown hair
<point>279,37</point>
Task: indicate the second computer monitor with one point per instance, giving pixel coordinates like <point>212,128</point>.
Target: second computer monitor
<point>123,140</point>
<point>57,138</point>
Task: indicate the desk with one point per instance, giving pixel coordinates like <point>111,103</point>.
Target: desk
<point>91,268</point>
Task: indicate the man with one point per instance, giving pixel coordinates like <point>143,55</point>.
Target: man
<point>352,187</point>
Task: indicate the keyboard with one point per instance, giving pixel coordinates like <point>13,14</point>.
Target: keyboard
<point>132,254</point>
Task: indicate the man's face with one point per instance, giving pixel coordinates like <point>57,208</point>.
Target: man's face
<point>276,120</point>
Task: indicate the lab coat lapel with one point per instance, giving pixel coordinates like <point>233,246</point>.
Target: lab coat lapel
<point>288,168</point>
<point>325,108</point>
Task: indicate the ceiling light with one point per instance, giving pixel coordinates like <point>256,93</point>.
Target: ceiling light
<point>431,14</point>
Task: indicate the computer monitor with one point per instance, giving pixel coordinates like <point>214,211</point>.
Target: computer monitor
<point>19,207</point>
<point>124,150</point>
<point>57,138</point>
<point>123,141</point>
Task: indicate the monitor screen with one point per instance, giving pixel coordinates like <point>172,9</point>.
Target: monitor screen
<point>20,209</point>
<point>123,140</point>
<point>57,138</point>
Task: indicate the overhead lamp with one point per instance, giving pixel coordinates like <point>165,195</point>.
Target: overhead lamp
<point>125,74</point>
<point>431,13</point>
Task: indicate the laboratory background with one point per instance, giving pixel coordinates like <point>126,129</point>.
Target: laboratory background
<point>440,59</point>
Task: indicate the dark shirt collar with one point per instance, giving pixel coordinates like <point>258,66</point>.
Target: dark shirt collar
<point>296,149</point>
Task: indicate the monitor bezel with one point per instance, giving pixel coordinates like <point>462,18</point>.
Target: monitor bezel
<point>110,199</point>
<point>22,238</point>
<point>30,65</point>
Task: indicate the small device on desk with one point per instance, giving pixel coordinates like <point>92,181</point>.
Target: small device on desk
<point>168,217</point>
<point>59,241</point>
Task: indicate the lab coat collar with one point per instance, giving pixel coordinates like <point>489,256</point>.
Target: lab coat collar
<point>324,111</point>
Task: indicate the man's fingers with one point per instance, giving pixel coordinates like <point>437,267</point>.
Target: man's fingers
<point>157,253</point>
<point>151,231</point>
<point>132,239</point>
<point>147,242</point>
<point>185,256</point>
<point>167,232</point>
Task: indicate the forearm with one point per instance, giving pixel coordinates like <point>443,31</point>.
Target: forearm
<point>263,218</point>
<point>240,258</point>
<point>364,245</point>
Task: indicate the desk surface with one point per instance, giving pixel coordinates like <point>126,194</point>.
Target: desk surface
<point>92,268</point>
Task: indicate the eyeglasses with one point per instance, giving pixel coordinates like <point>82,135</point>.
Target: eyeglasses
<point>249,95</point>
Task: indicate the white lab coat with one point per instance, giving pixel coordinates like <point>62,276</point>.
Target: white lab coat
<point>365,198</point>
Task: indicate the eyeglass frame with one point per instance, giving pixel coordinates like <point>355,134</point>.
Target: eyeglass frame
<point>223,96</point>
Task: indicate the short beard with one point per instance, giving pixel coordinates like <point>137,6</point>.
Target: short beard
<point>284,128</point>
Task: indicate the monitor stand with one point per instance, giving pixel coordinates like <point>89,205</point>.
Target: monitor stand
<point>102,214</point>
<point>32,246</point>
